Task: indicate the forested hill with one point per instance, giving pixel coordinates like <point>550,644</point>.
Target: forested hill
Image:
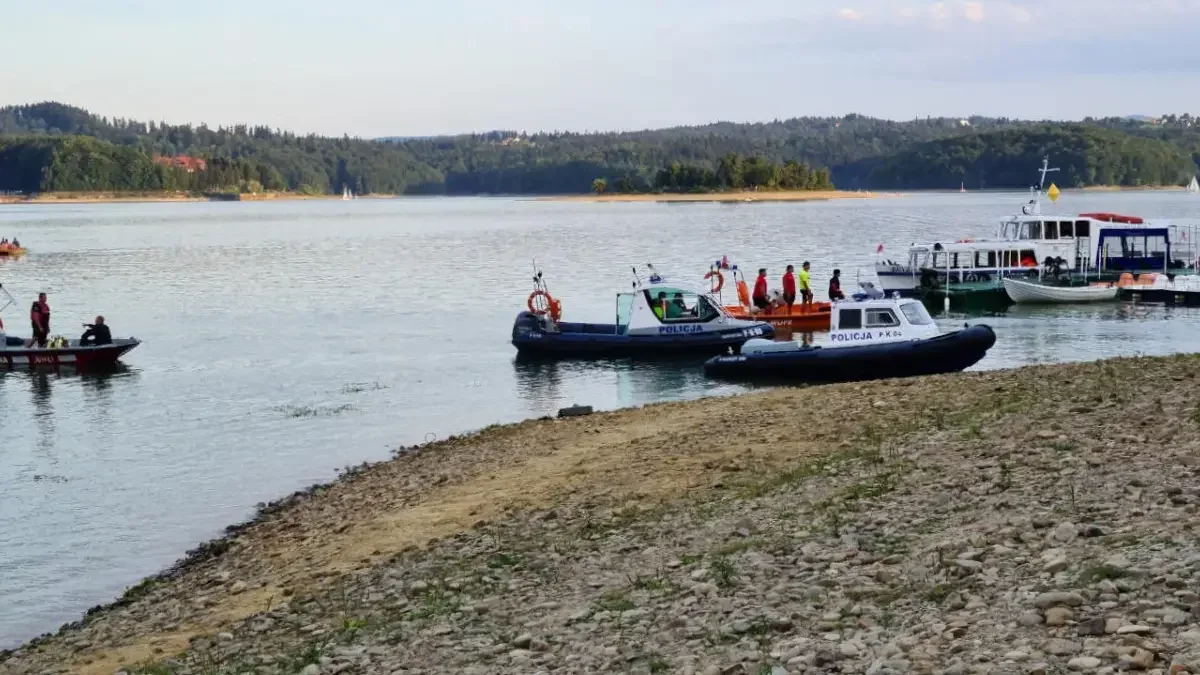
<point>39,151</point>
<point>1084,155</point>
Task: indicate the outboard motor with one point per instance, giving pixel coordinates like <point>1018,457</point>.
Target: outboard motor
<point>527,322</point>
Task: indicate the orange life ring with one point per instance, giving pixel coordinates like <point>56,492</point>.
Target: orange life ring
<point>720,280</point>
<point>545,306</point>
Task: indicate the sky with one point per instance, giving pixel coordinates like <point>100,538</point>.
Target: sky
<point>400,67</point>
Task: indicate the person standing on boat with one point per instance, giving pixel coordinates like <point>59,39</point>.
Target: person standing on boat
<point>761,299</point>
<point>789,287</point>
<point>39,319</point>
<point>835,286</point>
<point>806,293</point>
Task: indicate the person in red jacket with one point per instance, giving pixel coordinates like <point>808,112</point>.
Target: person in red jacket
<point>789,287</point>
<point>760,297</point>
<point>39,319</point>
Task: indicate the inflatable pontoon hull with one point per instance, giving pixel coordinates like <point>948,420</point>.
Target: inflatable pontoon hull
<point>589,340</point>
<point>947,353</point>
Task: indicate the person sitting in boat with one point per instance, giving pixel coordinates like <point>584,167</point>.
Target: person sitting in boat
<point>660,305</point>
<point>677,308</point>
<point>835,286</point>
<point>761,299</point>
<point>96,334</point>
<point>15,243</point>
<point>789,287</point>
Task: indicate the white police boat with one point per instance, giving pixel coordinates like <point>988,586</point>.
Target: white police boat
<point>871,337</point>
<point>655,318</point>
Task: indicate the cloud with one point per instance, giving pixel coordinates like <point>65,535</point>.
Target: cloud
<point>973,11</point>
<point>849,14</point>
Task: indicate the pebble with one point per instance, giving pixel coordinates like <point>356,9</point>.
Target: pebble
<point>1084,663</point>
<point>1135,629</point>
<point>1058,616</point>
<point>311,669</point>
<point>523,641</point>
<point>1058,598</point>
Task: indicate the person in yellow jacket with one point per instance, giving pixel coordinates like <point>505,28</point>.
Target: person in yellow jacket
<point>806,293</point>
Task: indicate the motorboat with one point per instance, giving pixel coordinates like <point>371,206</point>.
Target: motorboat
<point>1160,289</point>
<point>1101,246</point>
<point>871,338</point>
<point>19,354</point>
<point>1044,292</point>
<point>655,318</point>
<point>15,355</point>
<point>799,317</point>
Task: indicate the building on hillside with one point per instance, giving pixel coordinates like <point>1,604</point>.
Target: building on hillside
<point>189,164</point>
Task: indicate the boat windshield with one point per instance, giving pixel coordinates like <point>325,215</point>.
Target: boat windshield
<point>673,305</point>
<point>916,314</point>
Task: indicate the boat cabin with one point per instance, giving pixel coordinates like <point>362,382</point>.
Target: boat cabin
<point>863,322</point>
<point>985,261</point>
<point>879,320</point>
<point>1107,241</point>
<point>660,307</point>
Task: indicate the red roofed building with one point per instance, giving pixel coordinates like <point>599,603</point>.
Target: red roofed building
<point>190,164</point>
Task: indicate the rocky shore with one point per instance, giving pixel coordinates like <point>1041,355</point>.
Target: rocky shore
<point>1039,520</point>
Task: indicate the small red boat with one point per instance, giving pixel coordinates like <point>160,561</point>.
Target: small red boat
<point>16,356</point>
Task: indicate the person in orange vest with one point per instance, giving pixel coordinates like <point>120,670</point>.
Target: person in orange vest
<point>789,287</point>
<point>760,298</point>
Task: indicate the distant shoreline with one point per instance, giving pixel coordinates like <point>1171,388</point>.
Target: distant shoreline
<point>1131,188</point>
<point>763,196</point>
<point>135,198</point>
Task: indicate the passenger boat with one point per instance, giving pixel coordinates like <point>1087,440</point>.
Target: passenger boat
<point>1160,289</point>
<point>799,317</point>
<point>15,355</point>
<point>1098,246</point>
<point>1043,292</point>
<point>871,339</point>
<point>656,318</point>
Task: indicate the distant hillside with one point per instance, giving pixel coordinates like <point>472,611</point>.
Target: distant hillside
<point>1085,156</point>
<point>854,151</point>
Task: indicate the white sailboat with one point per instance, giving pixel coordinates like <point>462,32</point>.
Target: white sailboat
<point>1193,186</point>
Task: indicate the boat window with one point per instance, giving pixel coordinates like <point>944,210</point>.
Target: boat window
<point>1032,230</point>
<point>1066,229</point>
<point>1083,228</point>
<point>881,318</point>
<point>985,258</point>
<point>624,310</point>
<point>1051,229</point>
<point>1029,259</point>
<point>673,305</point>
<point>916,314</point>
<point>849,319</point>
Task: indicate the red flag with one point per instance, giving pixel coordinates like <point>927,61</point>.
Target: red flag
<point>879,248</point>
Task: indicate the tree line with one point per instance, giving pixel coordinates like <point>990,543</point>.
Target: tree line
<point>852,152</point>
<point>731,172</point>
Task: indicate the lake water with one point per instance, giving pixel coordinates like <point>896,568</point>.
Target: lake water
<point>285,340</point>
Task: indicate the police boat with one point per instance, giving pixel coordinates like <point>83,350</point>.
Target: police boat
<point>871,338</point>
<point>656,318</point>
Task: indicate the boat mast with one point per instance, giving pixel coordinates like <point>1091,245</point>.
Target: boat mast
<point>1037,196</point>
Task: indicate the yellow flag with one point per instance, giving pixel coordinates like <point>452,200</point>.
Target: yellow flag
<point>1052,193</point>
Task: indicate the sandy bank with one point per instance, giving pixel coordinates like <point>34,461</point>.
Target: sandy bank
<point>764,196</point>
<point>995,520</point>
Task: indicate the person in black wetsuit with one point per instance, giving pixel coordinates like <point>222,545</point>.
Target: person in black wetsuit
<point>96,334</point>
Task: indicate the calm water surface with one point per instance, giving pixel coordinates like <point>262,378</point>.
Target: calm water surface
<point>285,340</point>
